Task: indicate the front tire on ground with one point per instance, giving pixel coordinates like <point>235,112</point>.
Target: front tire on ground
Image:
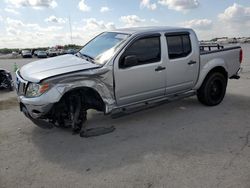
<point>213,89</point>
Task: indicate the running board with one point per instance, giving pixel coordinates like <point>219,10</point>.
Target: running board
<point>237,77</point>
<point>133,108</point>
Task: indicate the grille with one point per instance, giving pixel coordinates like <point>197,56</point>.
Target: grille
<point>20,85</point>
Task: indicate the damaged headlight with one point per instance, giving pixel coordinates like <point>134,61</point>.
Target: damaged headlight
<point>35,90</point>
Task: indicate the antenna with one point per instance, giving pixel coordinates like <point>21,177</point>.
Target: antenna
<point>70,30</point>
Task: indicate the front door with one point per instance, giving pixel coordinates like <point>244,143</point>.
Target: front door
<point>144,78</point>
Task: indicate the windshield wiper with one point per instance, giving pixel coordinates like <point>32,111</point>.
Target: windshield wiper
<point>87,57</point>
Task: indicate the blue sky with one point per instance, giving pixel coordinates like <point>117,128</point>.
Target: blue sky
<point>32,23</point>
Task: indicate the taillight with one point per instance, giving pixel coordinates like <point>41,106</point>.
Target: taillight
<point>241,55</point>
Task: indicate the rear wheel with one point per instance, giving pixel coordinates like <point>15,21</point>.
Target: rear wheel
<point>213,89</point>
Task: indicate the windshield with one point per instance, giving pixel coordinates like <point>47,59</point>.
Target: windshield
<point>103,47</point>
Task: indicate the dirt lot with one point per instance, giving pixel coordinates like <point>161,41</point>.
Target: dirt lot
<point>180,144</point>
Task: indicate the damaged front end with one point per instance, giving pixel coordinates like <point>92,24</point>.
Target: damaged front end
<point>42,123</point>
<point>66,103</point>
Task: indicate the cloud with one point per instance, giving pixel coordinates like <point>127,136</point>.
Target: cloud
<point>147,4</point>
<point>235,21</point>
<point>235,13</point>
<point>14,23</point>
<point>20,34</point>
<point>200,24</point>
<point>33,3</point>
<point>93,24</point>
<point>154,20</point>
<point>83,6</point>
<point>131,20</point>
<point>104,9</point>
<point>180,5</point>
<point>12,31</point>
<point>12,11</point>
<point>90,28</point>
<point>54,19</point>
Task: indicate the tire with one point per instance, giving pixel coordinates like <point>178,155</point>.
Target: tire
<point>10,83</point>
<point>213,89</point>
<point>70,112</point>
<point>11,88</point>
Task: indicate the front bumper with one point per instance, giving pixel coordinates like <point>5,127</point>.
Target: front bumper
<point>39,107</point>
<point>34,111</point>
<point>36,107</point>
<point>42,123</point>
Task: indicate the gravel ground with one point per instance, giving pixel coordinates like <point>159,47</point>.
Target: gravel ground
<point>180,144</point>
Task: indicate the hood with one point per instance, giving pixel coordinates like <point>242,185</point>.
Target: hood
<point>39,70</point>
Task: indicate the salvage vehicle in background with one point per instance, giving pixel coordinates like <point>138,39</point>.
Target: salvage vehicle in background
<point>26,53</point>
<point>124,69</point>
<point>6,81</point>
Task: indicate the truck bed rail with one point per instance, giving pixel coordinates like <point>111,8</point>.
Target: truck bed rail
<point>210,47</point>
<point>215,49</point>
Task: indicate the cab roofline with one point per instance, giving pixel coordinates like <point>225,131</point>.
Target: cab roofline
<point>137,30</point>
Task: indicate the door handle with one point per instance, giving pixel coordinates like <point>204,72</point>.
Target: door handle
<point>160,68</point>
<point>191,62</point>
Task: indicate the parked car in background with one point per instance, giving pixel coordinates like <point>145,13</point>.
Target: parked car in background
<point>14,54</point>
<point>52,52</point>
<point>71,51</point>
<point>61,52</point>
<point>35,52</point>
<point>26,53</point>
<point>41,54</point>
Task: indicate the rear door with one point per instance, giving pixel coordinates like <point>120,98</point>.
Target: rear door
<point>182,61</point>
<point>146,78</point>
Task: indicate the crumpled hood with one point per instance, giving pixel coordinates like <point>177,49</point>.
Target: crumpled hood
<point>39,70</point>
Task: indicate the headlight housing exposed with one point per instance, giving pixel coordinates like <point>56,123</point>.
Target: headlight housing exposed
<point>35,90</point>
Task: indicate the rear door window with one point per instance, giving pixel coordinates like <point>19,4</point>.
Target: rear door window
<point>178,46</point>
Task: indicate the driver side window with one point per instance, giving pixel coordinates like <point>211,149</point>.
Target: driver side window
<point>145,50</point>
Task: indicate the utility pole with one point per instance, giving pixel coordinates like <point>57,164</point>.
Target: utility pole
<point>70,30</point>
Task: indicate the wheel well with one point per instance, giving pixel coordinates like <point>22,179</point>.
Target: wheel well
<point>91,98</point>
<point>220,70</point>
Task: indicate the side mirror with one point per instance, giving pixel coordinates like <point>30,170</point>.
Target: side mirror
<point>130,60</point>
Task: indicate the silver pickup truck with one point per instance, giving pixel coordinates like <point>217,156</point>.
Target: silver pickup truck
<point>122,69</point>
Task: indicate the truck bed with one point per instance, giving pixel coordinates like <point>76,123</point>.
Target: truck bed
<point>229,55</point>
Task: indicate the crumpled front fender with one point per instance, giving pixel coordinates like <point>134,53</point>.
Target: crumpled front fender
<point>101,80</point>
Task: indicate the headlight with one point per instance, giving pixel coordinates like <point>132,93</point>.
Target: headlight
<point>35,90</point>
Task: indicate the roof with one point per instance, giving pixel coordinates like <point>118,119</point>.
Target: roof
<point>135,30</point>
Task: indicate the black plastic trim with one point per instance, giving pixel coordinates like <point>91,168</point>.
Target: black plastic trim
<point>221,50</point>
<point>177,33</point>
